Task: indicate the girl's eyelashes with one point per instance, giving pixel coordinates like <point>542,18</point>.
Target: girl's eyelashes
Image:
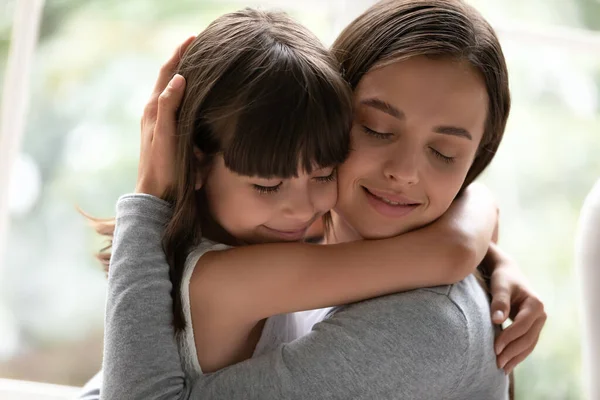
<point>267,189</point>
<point>442,157</point>
<point>329,178</point>
<point>378,135</point>
<point>274,189</point>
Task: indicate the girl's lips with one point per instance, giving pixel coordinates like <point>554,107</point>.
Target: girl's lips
<point>386,209</point>
<point>294,235</point>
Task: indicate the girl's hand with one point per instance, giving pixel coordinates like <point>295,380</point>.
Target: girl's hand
<point>159,140</point>
<point>513,298</point>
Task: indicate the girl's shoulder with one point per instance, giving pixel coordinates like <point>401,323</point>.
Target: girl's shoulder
<point>201,248</point>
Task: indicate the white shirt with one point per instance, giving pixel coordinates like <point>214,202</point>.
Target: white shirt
<point>277,330</point>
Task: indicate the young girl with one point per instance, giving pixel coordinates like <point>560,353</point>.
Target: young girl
<point>262,127</point>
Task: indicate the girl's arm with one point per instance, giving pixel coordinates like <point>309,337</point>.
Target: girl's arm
<point>258,281</point>
<point>512,297</point>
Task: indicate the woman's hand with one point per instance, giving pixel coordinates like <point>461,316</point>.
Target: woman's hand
<point>513,298</point>
<point>159,140</point>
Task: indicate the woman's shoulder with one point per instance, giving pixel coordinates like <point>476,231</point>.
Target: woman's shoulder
<point>456,307</point>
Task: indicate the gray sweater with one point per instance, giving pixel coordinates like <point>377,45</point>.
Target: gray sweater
<point>434,343</point>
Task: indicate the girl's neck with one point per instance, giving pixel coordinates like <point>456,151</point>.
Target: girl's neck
<point>341,231</point>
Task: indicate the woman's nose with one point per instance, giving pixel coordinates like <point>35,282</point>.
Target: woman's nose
<point>402,167</point>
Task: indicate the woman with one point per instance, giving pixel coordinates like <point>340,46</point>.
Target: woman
<point>411,157</point>
<point>249,185</point>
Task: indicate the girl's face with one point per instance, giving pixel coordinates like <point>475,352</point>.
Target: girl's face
<point>258,210</point>
<point>417,127</point>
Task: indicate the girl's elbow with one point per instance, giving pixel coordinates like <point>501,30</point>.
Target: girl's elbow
<point>464,262</point>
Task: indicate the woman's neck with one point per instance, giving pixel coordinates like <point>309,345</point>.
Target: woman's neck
<point>341,231</point>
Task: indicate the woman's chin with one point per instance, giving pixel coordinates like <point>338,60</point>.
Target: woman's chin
<point>370,229</point>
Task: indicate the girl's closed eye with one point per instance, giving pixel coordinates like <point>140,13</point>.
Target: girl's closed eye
<point>267,189</point>
<point>328,178</point>
<point>378,135</point>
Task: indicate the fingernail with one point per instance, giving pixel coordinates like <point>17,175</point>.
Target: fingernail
<point>502,364</point>
<point>498,316</point>
<point>176,81</point>
<point>499,348</point>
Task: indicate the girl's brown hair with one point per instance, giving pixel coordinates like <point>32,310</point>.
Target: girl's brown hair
<point>264,93</point>
<point>395,30</point>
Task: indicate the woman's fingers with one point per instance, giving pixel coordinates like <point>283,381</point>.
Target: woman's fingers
<point>158,125</point>
<point>168,69</point>
<point>168,102</point>
<point>156,171</point>
<point>164,76</point>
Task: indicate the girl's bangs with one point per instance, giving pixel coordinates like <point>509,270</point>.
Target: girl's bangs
<point>289,125</point>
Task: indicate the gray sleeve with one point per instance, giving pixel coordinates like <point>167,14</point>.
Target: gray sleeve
<point>409,345</point>
<point>141,359</point>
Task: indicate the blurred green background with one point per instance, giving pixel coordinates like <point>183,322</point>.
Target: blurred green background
<point>94,69</point>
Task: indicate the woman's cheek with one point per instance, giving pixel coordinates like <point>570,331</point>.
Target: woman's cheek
<point>446,188</point>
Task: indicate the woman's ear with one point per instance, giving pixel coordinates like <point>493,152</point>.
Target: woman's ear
<point>200,170</point>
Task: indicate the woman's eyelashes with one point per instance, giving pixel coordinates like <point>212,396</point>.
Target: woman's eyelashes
<point>380,135</point>
<point>375,134</point>
<point>444,158</point>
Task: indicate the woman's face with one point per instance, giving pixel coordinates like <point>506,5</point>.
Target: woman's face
<point>417,127</point>
<point>259,210</point>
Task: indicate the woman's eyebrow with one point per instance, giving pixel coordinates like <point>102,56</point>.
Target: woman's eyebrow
<point>453,131</point>
<point>383,106</point>
<point>395,112</point>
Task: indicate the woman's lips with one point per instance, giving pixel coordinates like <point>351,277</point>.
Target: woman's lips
<point>388,204</point>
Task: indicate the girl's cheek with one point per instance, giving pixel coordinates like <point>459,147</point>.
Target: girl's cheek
<point>329,197</point>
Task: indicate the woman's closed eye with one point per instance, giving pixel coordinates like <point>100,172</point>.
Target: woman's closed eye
<point>375,134</point>
<point>442,157</point>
